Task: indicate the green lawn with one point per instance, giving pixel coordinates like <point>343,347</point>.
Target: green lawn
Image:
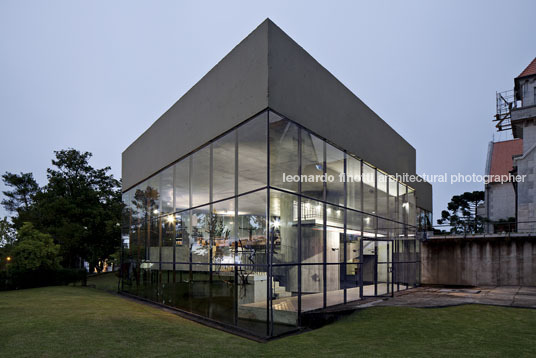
<point>84,322</point>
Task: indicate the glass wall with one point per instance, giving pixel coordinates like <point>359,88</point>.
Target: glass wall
<point>264,223</point>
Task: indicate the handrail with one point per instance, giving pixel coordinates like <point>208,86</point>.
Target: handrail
<point>488,228</point>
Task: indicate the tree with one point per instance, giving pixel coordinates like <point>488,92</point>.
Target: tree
<point>462,213</point>
<point>7,234</point>
<point>21,198</point>
<point>34,251</point>
<point>7,239</point>
<point>81,208</point>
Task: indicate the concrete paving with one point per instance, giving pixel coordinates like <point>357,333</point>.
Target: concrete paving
<point>511,296</point>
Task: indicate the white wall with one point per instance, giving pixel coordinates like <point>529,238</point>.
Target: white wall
<point>501,201</point>
<point>526,165</point>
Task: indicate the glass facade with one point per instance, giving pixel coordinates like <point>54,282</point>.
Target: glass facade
<point>265,223</point>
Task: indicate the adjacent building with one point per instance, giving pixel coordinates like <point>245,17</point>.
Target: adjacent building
<point>516,111</point>
<point>500,191</point>
<point>216,223</point>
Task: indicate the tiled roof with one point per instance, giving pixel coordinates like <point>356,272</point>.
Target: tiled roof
<point>530,70</point>
<point>501,156</point>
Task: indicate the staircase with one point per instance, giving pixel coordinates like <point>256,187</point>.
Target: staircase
<point>279,291</point>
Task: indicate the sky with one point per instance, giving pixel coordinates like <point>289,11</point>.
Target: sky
<point>95,75</point>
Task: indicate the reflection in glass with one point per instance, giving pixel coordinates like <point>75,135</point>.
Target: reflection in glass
<point>393,199</point>
<point>369,189</point>
<point>312,165</point>
<point>223,166</point>
<point>126,211</point>
<point>412,218</point>
<point>383,197</point>
<point>237,258</point>
<point>312,233</point>
<point>223,232</point>
<point>252,229</point>
<point>252,156</point>
<point>182,241</point>
<point>403,205</point>
<point>284,226</point>
<point>350,272</point>
<point>284,159</point>
<point>182,184</point>
<point>251,274</point>
<point>284,292</point>
<point>168,241</point>
<point>335,168</point>
<point>200,227</point>
<point>200,176</point>
<point>334,233</point>
<point>334,247</point>
<point>166,190</point>
<point>353,185</point>
<point>384,264</point>
<point>153,250</point>
<point>151,188</point>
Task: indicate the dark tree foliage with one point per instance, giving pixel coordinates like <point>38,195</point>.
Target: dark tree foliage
<point>80,207</point>
<point>20,199</point>
<point>34,251</point>
<point>462,213</point>
<point>7,233</point>
<point>7,239</point>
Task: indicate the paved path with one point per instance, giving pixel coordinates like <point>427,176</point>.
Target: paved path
<point>513,296</point>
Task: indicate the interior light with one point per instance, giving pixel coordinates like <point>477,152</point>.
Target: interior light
<point>224,212</point>
<point>170,219</point>
<point>276,224</point>
<point>155,211</point>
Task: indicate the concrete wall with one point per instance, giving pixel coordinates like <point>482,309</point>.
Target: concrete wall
<point>522,118</point>
<point>303,90</point>
<point>529,135</point>
<point>528,88</point>
<point>479,261</point>
<point>526,191</point>
<point>500,200</point>
<point>233,91</point>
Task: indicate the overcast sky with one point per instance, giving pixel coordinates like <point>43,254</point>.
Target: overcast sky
<point>95,75</point>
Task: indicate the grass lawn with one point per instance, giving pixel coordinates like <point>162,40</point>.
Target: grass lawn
<point>84,322</point>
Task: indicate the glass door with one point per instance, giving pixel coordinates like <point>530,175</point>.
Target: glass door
<point>350,271</point>
<point>377,268</point>
<point>384,268</point>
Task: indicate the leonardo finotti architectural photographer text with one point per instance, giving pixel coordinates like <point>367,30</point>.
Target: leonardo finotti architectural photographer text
<point>406,178</point>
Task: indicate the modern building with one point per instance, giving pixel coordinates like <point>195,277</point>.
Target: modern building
<point>516,111</point>
<point>216,223</point>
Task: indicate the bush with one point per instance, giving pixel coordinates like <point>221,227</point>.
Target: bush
<point>39,278</point>
<point>34,251</point>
